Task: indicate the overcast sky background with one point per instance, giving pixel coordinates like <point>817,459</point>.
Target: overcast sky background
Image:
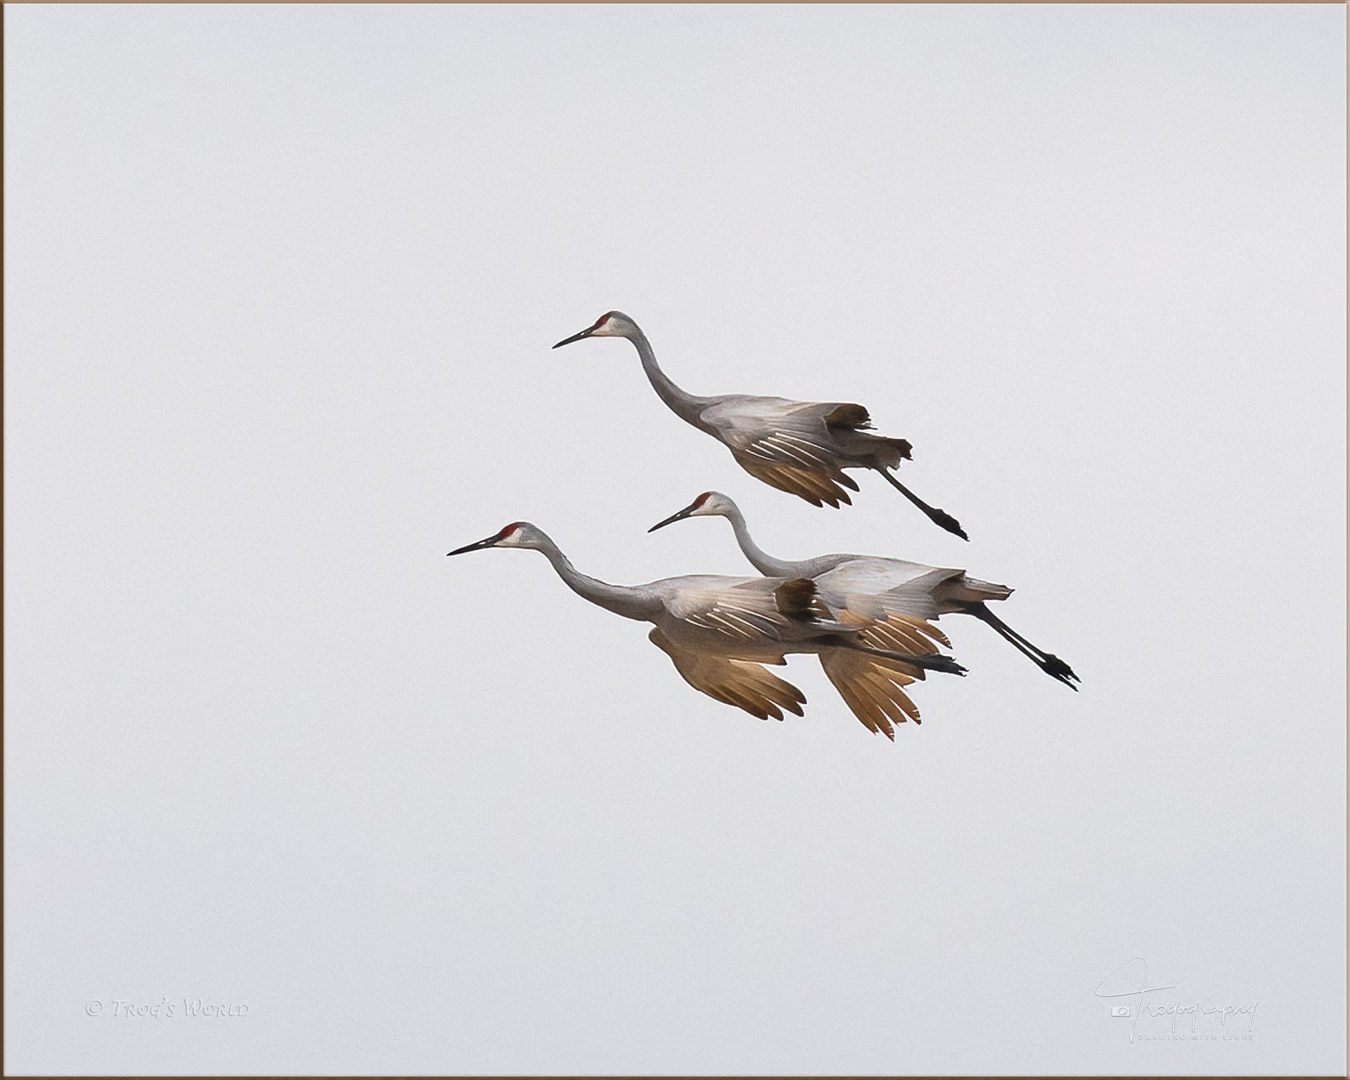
<point>280,289</point>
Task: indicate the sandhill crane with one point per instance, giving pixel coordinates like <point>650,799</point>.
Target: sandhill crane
<point>720,631</point>
<point>802,447</point>
<point>879,590</point>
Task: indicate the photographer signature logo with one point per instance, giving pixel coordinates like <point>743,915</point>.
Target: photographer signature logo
<point>1128,989</point>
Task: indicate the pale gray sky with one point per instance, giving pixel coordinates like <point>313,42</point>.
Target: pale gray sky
<point>281,286</point>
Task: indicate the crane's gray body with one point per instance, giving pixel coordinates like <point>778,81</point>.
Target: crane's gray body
<point>870,586</point>
<point>890,598</point>
<point>802,447</point>
<point>742,618</point>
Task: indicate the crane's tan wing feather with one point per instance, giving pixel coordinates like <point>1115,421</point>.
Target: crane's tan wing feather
<point>740,683</point>
<point>791,446</point>
<point>872,687</point>
<point>906,634</point>
<point>903,634</point>
<point>821,485</point>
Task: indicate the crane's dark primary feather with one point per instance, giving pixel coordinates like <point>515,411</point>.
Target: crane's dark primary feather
<point>849,416</point>
<point>796,599</point>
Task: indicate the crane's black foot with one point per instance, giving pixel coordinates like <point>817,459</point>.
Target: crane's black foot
<point>924,661</point>
<point>1056,668</point>
<point>938,662</point>
<point>944,520</point>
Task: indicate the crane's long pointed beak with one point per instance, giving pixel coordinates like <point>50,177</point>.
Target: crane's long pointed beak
<point>576,337</point>
<point>474,547</point>
<point>672,519</point>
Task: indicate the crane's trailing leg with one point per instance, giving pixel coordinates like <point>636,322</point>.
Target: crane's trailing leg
<point>1051,664</point>
<point>924,661</point>
<point>940,518</point>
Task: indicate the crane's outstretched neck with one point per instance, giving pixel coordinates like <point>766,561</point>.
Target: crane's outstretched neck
<point>620,599</point>
<point>684,405</point>
<point>759,559</point>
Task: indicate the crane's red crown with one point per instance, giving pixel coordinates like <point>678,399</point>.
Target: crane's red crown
<point>509,530</point>
<point>702,499</point>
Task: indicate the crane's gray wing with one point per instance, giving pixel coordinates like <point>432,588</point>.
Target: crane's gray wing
<point>747,611</point>
<point>883,588</point>
<point>871,687</point>
<point>791,445</point>
<point>740,683</point>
